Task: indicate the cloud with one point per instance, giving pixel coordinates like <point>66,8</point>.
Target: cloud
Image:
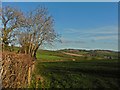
<point>92,40</point>
<point>99,30</point>
<point>95,38</point>
<point>72,41</point>
<point>106,37</point>
<point>100,33</point>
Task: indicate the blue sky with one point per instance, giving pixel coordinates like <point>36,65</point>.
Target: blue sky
<point>81,25</point>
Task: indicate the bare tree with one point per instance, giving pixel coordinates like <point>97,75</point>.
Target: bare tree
<point>39,30</point>
<point>11,20</point>
<point>31,29</point>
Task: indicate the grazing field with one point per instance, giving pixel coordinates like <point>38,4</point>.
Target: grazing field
<point>58,70</point>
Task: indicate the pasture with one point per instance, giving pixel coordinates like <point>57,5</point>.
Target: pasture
<point>58,70</point>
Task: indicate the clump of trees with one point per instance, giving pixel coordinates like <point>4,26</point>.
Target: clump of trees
<point>29,30</point>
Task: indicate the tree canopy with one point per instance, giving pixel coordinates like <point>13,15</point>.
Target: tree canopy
<point>29,30</point>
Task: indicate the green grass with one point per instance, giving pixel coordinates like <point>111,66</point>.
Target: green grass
<point>44,55</point>
<point>91,74</point>
<point>82,73</point>
<point>48,57</point>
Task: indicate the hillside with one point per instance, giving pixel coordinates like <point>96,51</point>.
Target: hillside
<point>60,69</point>
<point>74,54</point>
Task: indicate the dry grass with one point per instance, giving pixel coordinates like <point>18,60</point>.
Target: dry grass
<point>15,69</point>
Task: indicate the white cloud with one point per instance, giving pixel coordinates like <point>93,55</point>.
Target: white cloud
<point>72,41</point>
<point>106,37</point>
<point>101,33</point>
<point>99,30</point>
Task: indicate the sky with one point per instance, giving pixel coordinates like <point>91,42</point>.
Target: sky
<point>81,25</point>
<point>60,0</point>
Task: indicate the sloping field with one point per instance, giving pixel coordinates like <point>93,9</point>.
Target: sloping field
<point>72,54</point>
<point>83,73</point>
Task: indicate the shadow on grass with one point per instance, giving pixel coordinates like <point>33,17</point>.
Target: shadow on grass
<point>80,74</point>
<point>102,73</point>
<point>96,68</point>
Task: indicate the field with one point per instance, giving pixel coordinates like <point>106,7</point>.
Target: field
<point>55,69</point>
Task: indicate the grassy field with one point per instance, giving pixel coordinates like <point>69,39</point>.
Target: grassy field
<point>57,70</point>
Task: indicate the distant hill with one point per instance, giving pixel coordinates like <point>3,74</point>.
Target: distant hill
<point>75,54</point>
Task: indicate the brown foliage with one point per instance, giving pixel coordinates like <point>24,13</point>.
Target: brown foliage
<point>15,68</point>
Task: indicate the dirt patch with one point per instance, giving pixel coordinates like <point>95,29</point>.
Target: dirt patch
<point>72,54</point>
